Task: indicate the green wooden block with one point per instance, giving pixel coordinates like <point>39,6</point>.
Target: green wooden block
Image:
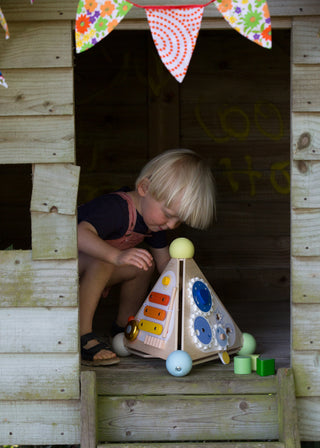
<point>265,366</point>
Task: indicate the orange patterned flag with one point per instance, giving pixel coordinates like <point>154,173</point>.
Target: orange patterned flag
<point>175,31</point>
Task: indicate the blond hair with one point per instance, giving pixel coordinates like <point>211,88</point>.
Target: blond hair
<point>181,178</point>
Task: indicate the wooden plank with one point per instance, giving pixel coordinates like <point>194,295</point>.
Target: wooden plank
<point>35,330</point>
<point>306,136</point>
<point>305,232</point>
<point>305,83</point>
<point>62,10</point>
<point>305,326</point>
<point>88,409</point>
<point>306,184</point>
<point>29,283</point>
<point>37,44</point>
<point>55,187</point>
<point>38,92</point>
<point>37,140</point>
<point>176,418</point>
<point>40,422</point>
<point>305,40</point>
<point>39,376</point>
<point>287,409</point>
<point>54,236</point>
<point>305,278</point>
<point>144,376</point>
<point>195,445</point>
<point>309,418</point>
<point>305,365</point>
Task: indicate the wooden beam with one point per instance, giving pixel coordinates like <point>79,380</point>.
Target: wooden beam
<point>287,409</point>
<point>88,409</point>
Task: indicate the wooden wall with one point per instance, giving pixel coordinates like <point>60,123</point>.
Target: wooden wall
<point>305,235</point>
<point>39,355</point>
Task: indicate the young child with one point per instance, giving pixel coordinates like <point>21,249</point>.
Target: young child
<point>176,186</point>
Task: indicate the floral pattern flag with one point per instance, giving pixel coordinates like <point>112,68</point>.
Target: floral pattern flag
<point>96,19</point>
<point>4,24</point>
<point>251,18</point>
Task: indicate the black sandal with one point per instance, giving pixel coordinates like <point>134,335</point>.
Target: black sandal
<point>87,354</point>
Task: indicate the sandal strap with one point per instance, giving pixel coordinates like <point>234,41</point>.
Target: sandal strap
<point>87,337</point>
<point>88,353</point>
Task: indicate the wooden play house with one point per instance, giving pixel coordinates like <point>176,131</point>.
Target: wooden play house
<point>268,124</point>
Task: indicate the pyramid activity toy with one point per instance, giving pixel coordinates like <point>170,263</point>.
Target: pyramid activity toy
<point>183,312</point>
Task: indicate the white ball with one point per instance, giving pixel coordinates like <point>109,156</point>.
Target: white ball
<point>118,345</point>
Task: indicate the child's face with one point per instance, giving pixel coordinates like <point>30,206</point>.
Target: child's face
<point>157,216</point>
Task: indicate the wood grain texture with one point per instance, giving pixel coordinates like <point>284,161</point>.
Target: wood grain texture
<point>33,330</point>
<point>38,92</point>
<point>37,44</point>
<point>40,422</point>
<point>54,236</point>
<point>305,278</point>
<point>175,418</point>
<point>29,283</point>
<point>39,376</point>
<point>61,10</point>
<point>55,187</point>
<point>37,140</point>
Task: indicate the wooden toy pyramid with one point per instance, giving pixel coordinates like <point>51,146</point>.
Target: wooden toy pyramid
<point>182,312</point>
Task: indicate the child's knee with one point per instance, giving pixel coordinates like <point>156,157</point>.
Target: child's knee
<point>147,273</point>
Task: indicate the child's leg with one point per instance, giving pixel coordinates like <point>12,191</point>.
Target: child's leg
<point>94,275</point>
<point>133,293</point>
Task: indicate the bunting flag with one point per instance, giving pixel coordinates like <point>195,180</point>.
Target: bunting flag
<point>96,19</point>
<point>249,18</point>
<point>4,24</point>
<point>3,81</point>
<point>174,31</point>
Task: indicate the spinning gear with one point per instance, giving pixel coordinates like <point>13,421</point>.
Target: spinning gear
<point>182,312</point>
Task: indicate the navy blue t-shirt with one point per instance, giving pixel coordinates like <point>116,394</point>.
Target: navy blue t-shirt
<point>109,215</point>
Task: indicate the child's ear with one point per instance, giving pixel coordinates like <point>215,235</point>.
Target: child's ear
<point>143,187</point>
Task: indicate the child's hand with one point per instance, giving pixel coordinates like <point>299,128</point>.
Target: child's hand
<point>140,258</point>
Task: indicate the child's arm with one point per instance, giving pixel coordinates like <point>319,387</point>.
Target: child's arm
<point>91,244</point>
<point>161,257</point>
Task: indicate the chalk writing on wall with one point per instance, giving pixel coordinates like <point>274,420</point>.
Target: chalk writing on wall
<point>279,175</point>
<point>234,122</point>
